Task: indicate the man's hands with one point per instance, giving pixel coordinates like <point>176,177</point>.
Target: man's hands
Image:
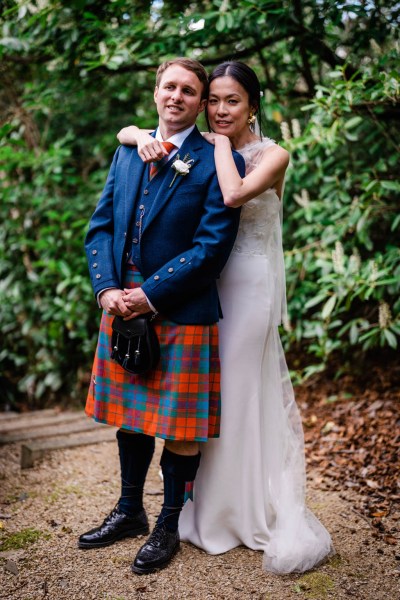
<point>135,300</point>
<point>125,303</point>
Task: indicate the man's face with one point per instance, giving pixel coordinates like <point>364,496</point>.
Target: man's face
<point>178,99</point>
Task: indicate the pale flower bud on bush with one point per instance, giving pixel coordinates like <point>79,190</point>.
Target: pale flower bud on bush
<point>385,316</point>
<point>375,47</point>
<point>304,199</point>
<point>285,130</point>
<point>296,129</point>
<point>355,261</point>
<point>338,258</point>
<point>287,326</point>
<point>374,271</point>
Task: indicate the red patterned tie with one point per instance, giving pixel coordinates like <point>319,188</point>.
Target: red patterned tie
<point>156,166</point>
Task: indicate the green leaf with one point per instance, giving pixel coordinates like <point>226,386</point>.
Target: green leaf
<point>352,122</point>
<point>391,185</point>
<point>329,306</point>
<point>221,23</point>
<point>316,300</point>
<point>391,338</point>
<point>395,223</point>
<point>354,333</point>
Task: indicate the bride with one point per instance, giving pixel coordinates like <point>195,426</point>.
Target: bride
<point>250,486</point>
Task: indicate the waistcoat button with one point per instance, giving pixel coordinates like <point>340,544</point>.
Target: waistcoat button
<point>182,260</point>
<point>98,276</point>
<point>170,270</point>
<point>94,265</point>
<point>156,277</point>
<point>94,252</point>
<point>146,192</point>
<point>135,241</point>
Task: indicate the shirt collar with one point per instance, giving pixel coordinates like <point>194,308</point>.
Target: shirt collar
<point>178,138</point>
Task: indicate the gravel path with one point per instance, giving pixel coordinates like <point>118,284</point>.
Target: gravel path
<point>71,490</point>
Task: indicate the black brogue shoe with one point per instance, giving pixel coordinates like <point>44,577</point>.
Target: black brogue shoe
<point>157,552</point>
<point>116,526</point>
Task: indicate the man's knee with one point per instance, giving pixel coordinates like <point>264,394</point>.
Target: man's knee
<point>184,448</point>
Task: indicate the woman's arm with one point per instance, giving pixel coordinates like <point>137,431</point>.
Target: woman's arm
<point>149,149</point>
<point>268,174</point>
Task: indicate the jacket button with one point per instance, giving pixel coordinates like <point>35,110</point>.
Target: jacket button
<point>98,276</point>
<point>170,270</point>
<point>94,265</point>
<point>141,207</point>
<point>94,252</point>
<point>156,277</point>
<point>182,260</point>
<point>146,192</point>
<point>124,233</point>
<point>135,241</point>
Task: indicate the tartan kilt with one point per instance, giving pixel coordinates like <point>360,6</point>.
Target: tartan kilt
<point>179,400</point>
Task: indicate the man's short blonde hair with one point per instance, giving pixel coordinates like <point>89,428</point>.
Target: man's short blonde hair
<point>190,65</point>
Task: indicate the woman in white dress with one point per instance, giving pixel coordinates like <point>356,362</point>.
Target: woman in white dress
<point>250,487</point>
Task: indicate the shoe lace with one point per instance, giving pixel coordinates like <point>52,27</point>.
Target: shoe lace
<point>157,537</point>
<point>111,515</point>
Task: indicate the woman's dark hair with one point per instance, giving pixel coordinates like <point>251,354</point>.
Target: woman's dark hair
<point>247,79</point>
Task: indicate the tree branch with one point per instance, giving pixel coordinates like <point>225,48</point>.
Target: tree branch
<point>306,70</point>
<point>307,38</point>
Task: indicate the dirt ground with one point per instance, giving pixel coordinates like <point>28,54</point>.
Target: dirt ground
<point>47,507</point>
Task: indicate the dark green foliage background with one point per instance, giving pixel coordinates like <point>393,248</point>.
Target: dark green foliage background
<point>73,73</point>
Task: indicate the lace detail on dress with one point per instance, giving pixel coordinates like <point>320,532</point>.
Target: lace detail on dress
<point>252,152</point>
<point>259,218</point>
<point>260,229</point>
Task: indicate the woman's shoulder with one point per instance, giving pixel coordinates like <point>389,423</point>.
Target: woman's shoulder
<point>273,148</point>
<point>268,145</point>
<point>258,146</point>
<point>259,150</point>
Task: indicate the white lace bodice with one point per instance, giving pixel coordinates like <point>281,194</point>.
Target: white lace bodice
<point>259,229</point>
<point>260,233</point>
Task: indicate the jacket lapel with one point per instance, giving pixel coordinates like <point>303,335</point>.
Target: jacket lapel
<point>135,171</point>
<point>167,189</point>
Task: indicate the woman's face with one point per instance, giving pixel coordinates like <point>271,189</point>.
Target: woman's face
<point>228,106</point>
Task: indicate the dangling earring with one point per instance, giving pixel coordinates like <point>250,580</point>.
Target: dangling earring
<point>252,118</point>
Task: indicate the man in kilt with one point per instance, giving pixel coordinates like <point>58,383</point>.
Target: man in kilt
<point>157,241</point>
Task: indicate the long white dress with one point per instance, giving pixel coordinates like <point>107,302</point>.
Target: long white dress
<point>250,487</point>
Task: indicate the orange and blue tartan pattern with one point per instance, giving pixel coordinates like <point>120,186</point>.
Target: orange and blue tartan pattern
<point>179,400</point>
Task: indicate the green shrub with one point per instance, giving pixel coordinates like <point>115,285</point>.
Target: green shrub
<point>343,273</point>
<point>47,314</point>
<point>73,73</point>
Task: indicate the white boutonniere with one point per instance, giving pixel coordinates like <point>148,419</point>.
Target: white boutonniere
<point>181,167</point>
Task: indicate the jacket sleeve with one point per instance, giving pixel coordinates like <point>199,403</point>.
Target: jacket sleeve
<point>199,266</point>
<point>99,238</point>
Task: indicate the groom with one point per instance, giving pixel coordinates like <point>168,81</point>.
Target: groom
<point>168,226</point>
